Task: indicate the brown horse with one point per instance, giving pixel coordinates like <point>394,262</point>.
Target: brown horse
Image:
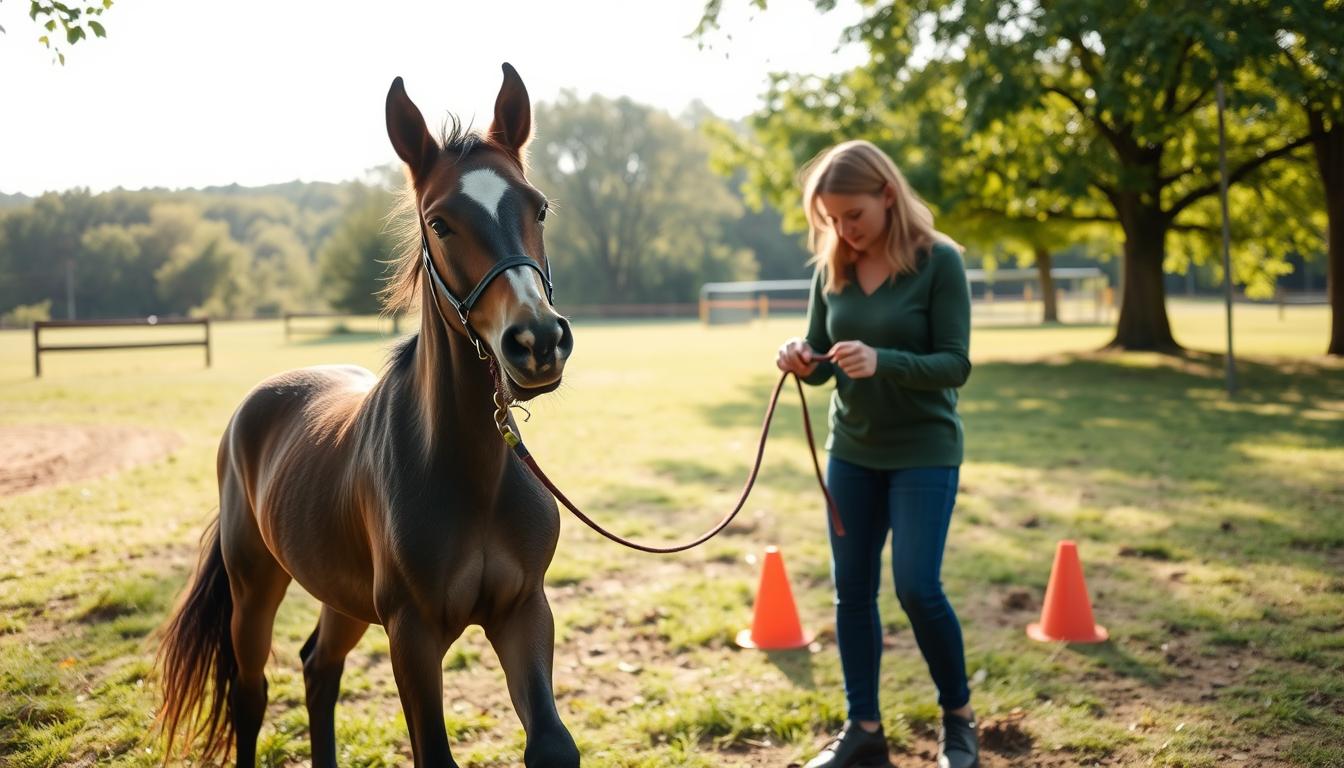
<point>393,500</point>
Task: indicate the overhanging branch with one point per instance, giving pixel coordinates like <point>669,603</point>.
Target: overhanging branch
<point>1236,175</point>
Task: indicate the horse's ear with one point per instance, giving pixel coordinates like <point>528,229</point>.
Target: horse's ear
<point>406,128</point>
<point>513,114</point>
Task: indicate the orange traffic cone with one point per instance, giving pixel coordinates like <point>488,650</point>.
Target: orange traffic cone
<point>1067,613</point>
<point>775,625</point>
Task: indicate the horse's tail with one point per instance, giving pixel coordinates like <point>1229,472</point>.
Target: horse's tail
<point>196,653</point>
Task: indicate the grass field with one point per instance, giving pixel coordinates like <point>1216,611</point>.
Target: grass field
<point>1210,531</point>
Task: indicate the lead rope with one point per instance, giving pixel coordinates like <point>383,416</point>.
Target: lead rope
<point>503,403</point>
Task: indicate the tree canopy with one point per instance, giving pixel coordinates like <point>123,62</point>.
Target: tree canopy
<point>1083,112</point>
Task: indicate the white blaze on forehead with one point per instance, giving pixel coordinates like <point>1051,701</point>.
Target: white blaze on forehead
<point>486,188</point>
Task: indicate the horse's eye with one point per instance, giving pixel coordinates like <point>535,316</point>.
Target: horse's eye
<point>541,215</point>
<point>440,228</point>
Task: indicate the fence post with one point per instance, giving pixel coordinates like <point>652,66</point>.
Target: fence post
<point>37,350</point>
<point>207,342</point>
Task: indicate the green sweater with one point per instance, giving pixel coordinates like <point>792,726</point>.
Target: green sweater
<point>905,415</point>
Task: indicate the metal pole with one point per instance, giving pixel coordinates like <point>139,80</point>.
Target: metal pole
<point>1227,238</point>
<point>70,289</point>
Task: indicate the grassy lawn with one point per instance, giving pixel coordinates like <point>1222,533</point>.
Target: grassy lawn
<point>1210,531</point>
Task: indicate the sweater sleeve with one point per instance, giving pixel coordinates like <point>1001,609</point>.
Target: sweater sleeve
<point>948,364</point>
<point>818,338</point>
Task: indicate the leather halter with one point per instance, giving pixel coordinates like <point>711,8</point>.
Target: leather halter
<point>463,307</point>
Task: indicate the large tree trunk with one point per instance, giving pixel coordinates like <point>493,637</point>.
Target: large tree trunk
<point>1330,160</point>
<point>1143,321</point>
<point>1049,299</point>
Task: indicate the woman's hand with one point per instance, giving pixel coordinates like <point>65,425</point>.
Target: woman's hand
<point>796,357</point>
<point>856,359</point>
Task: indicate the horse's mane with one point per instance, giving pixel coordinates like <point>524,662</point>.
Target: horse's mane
<point>401,294</point>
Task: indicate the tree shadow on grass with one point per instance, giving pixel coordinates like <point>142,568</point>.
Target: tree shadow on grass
<point>1146,431</point>
<point>1231,484</point>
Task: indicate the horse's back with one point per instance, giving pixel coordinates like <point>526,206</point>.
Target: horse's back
<point>318,402</point>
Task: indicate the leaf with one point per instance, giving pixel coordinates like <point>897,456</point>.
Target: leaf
<point>97,29</point>
<point>33,9</point>
<point>61,56</point>
<point>44,41</point>
<point>107,4</point>
<point>50,25</point>
<point>73,34</point>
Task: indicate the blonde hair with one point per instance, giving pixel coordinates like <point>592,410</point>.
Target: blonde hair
<point>860,168</point>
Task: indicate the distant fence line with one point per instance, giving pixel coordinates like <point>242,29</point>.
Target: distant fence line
<point>289,317</point>
<point>148,322</point>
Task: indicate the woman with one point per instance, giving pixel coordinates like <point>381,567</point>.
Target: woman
<point>889,318</point>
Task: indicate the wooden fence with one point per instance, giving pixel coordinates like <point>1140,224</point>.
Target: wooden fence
<point>149,322</point>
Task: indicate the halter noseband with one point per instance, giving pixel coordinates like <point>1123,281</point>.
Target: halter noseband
<point>464,306</point>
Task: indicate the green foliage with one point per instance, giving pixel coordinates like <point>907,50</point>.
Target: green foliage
<point>76,21</point>
<point>223,252</point>
<point>1037,125</point>
<point>203,271</point>
<point>355,259</point>
<point>25,315</point>
<point>638,214</point>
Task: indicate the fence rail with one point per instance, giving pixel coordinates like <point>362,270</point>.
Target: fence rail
<point>148,322</point>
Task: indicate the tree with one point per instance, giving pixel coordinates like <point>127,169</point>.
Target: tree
<point>638,212</point>
<point>1303,61</point>
<point>282,271</point>
<point>353,262</point>
<point>76,21</point>
<point>1133,83</point>
<point>985,186</point>
<point>112,250</point>
<point>200,268</point>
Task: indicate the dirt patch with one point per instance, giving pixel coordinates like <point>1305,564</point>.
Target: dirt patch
<point>42,456</point>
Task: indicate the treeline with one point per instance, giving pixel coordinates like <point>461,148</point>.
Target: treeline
<point>640,217</point>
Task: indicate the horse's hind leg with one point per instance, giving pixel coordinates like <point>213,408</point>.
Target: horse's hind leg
<point>257,584</point>
<point>524,640</point>
<point>323,661</point>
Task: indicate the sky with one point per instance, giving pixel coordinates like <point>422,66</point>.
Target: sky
<point>192,94</point>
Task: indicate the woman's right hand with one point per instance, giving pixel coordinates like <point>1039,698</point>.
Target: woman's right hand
<point>796,357</point>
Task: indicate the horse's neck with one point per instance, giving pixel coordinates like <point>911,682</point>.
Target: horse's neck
<point>454,394</point>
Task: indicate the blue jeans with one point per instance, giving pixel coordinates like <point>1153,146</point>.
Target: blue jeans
<point>916,506</point>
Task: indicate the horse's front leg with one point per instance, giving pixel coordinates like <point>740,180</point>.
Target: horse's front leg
<point>417,657</point>
<point>524,640</point>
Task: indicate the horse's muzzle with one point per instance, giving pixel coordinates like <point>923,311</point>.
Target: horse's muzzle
<point>535,352</point>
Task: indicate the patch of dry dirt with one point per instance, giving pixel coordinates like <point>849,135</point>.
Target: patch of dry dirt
<point>34,456</point>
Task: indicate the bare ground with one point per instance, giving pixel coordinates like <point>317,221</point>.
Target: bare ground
<point>42,456</point>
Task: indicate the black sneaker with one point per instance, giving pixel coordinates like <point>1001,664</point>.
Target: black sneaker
<point>958,746</point>
<point>853,747</point>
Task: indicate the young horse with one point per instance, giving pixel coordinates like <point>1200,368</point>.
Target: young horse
<point>394,501</point>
